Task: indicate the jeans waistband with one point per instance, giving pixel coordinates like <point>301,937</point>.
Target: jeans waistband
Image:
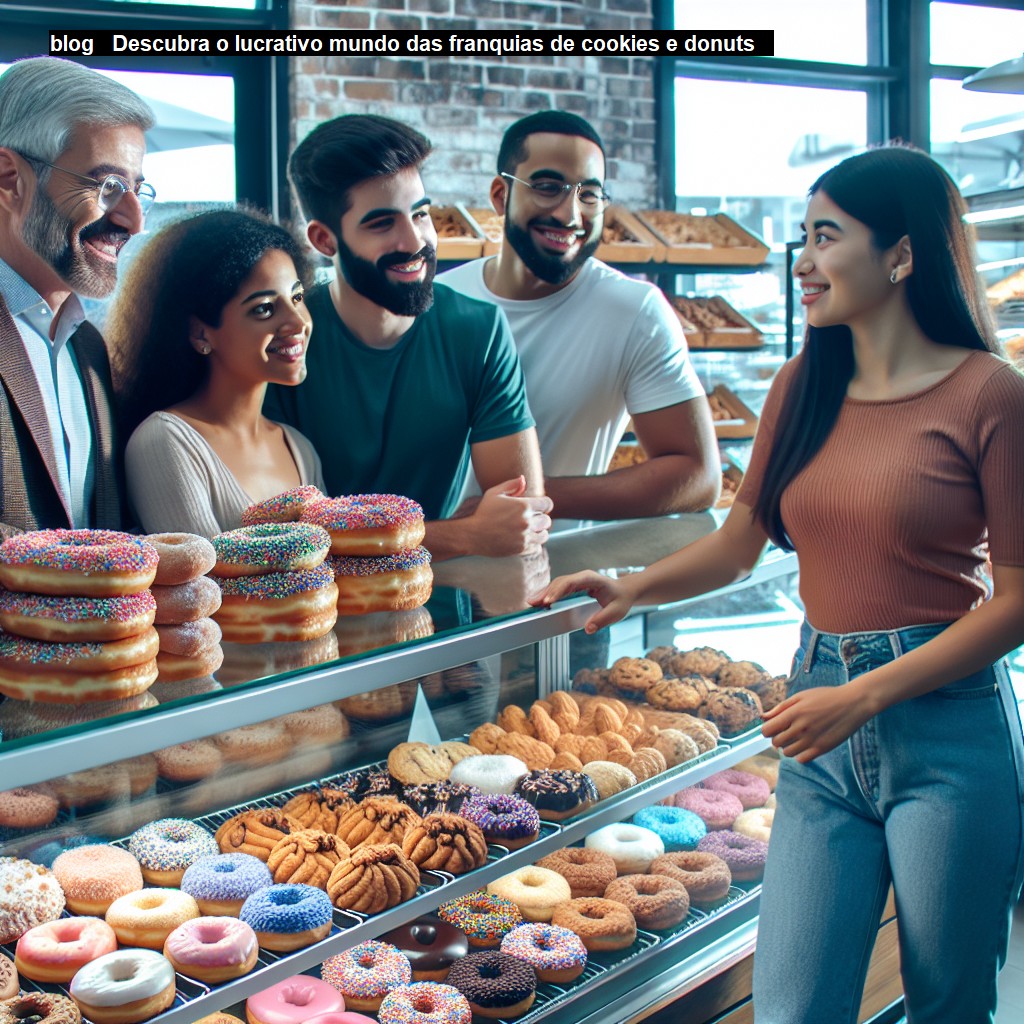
<point>874,646</point>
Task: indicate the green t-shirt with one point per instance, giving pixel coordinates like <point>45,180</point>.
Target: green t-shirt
<point>401,420</point>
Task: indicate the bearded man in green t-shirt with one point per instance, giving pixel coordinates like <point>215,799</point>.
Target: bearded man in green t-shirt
<point>409,383</point>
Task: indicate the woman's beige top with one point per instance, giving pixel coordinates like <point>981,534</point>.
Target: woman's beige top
<point>895,516</point>
<point>178,484</point>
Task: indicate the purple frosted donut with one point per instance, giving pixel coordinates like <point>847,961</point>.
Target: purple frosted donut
<point>510,821</point>
<point>715,807</point>
<point>222,883</point>
<point>751,790</point>
<point>286,917</point>
<point>744,856</point>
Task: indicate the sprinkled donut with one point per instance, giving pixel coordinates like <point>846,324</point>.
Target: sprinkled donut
<point>124,987</point>
<point>485,917</point>
<point>165,848</point>
<point>366,973</point>
<point>189,639</point>
<point>751,790</point>
<point>756,823</point>
<point>509,821</point>
<point>630,846</point>
<point>495,984</point>
<point>186,602</point>
<point>745,856</point>
<point>93,876</point>
<point>183,557</point>
<point>26,809</point>
<point>45,1007</point>
<point>556,954</point>
<point>54,952</point>
<point>368,524</point>
<point>600,923</point>
<point>147,917</point>
<point>52,618</point>
<point>587,871</point>
<point>656,901</point>
<point>282,508</point>
<point>292,605</point>
<point>293,1001</point>
<point>424,1002</point>
<point>536,891</point>
<point>705,876</point>
<point>269,548</point>
<point>677,828</point>
<point>220,884</point>
<point>288,917</point>
<point>398,582</point>
<point>88,563</point>
<point>716,808</point>
<point>29,895</point>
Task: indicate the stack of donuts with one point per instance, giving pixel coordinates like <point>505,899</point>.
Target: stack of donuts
<point>376,555</point>
<point>273,579</point>
<point>186,598</point>
<point>77,616</point>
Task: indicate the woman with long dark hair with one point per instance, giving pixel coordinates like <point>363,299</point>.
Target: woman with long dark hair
<point>210,312</point>
<point>890,457</point>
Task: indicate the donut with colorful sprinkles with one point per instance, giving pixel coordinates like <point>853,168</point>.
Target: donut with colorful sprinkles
<point>368,524</point>
<point>270,547</point>
<point>425,1002</point>
<point>297,605</point>
<point>165,848</point>
<point>286,507</point>
<point>485,917</point>
<point>76,619</point>
<point>366,973</point>
<point>183,557</point>
<point>84,563</point>
<point>386,583</point>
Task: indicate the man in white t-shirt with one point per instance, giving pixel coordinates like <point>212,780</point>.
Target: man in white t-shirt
<point>597,347</point>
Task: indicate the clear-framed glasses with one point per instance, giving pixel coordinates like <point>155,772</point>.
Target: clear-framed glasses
<point>110,190</point>
<point>549,194</point>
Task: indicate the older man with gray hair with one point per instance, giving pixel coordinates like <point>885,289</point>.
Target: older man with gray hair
<point>71,195</point>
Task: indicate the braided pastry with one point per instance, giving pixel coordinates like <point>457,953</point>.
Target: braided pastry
<point>377,820</point>
<point>534,753</point>
<point>307,856</point>
<point>445,842</point>
<point>373,878</point>
<point>255,832</point>
<point>319,808</point>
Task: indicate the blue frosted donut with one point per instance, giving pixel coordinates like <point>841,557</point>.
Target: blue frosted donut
<point>287,916</point>
<point>677,828</point>
<point>221,884</point>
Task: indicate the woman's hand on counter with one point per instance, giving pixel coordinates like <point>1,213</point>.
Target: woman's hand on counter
<point>614,596</point>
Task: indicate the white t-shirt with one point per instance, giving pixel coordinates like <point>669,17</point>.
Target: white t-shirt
<point>603,348</point>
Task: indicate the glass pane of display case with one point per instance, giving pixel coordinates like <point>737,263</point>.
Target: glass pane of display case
<point>974,35</point>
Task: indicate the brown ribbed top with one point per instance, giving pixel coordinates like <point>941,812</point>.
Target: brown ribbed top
<point>895,516</point>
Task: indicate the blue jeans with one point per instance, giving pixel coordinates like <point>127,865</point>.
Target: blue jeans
<point>928,795</point>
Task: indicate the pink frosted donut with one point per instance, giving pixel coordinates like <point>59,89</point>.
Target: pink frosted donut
<point>89,563</point>
<point>368,524</point>
<point>56,951</point>
<point>52,618</point>
<point>293,1001</point>
<point>715,807</point>
<point>751,790</point>
<point>186,602</point>
<point>744,856</point>
<point>189,639</point>
<point>212,949</point>
<point>183,557</point>
<point>282,508</point>
<point>366,973</point>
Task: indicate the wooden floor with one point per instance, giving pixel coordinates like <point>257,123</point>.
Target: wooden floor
<point>1011,980</point>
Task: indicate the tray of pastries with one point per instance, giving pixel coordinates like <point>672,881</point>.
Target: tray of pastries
<point>710,322</point>
<point>458,238</point>
<point>1007,295</point>
<point>489,224</point>
<point>1014,348</point>
<point>732,416</point>
<point>732,477</point>
<point>693,238</point>
<point>626,240</point>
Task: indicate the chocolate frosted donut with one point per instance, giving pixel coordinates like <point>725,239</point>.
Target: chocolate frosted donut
<point>494,983</point>
<point>367,782</point>
<point>430,945</point>
<point>557,793</point>
<point>438,797</point>
<point>588,872</point>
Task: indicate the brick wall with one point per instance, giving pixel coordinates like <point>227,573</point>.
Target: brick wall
<point>463,105</point>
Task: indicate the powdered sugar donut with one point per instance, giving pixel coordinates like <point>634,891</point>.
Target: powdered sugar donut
<point>93,876</point>
<point>490,773</point>
<point>183,557</point>
<point>189,639</point>
<point>186,602</point>
<point>630,846</point>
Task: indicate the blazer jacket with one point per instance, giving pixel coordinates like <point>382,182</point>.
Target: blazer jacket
<point>30,496</point>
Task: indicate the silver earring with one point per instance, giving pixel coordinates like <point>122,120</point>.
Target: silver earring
<point>892,277</point>
<point>206,350</point>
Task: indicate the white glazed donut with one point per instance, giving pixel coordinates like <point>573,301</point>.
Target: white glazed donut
<point>630,846</point>
<point>490,773</point>
<point>123,987</point>
<point>756,823</point>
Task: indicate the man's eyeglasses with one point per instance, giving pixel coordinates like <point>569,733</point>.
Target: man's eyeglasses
<point>110,190</point>
<point>549,194</point>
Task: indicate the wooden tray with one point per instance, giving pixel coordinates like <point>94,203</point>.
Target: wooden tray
<point>451,245</point>
<point>638,246</point>
<point>732,476</point>
<point>689,238</point>
<point>488,224</point>
<point>741,424</point>
<point>729,328</point>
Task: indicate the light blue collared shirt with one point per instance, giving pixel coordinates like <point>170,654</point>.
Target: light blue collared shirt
<point>60,383</point>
